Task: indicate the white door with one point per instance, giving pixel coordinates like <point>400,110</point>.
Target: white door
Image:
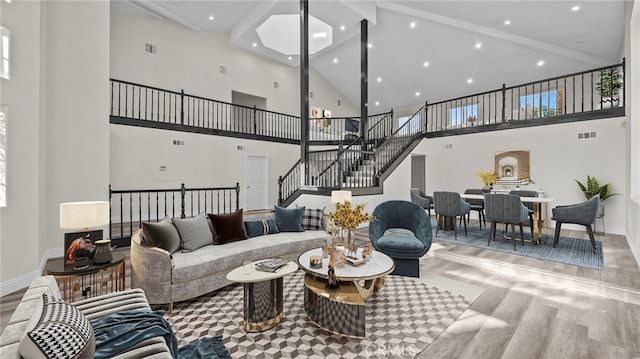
<point>257,182</point>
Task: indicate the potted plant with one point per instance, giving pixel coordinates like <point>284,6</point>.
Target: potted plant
<point>592,187</point>
<point>487,178</point>
<point>609,87</point>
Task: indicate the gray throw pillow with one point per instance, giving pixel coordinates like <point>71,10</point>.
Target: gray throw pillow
<point>194,232</point>
<point>162,235</point>
<point>289,220</point>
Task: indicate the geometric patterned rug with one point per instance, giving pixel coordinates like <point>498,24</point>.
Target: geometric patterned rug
<point>402,319</point>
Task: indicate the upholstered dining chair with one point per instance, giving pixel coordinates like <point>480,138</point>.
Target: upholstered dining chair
<point>449,205</point>
<point>476,205</point>
<point>529,205</point>
<point>421,199</point>
<point>401,230</point>
<point>583,213</point>
<point>507,209</point>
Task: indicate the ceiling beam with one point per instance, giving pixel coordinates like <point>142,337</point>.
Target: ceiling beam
<point>155,8</point>
<point>250,20</point>
<point>502,35</point>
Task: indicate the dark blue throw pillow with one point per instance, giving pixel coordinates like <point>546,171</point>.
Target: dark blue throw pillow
<point>289,220</point>
<point>260,228</point>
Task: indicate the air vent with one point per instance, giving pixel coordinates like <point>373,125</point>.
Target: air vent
<point>586,135</point>
<point>178,142</point>
<point>150,48</point>
<point>448,146</point>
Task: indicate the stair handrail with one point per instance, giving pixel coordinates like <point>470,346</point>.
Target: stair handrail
<point>397,134</point>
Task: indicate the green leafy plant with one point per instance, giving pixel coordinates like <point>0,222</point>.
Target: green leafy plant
<point>593,188</point>
<point>609,85</point>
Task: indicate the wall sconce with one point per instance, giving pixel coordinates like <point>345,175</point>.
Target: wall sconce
<point>80,247</point>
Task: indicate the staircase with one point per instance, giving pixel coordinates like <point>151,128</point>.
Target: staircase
<point>362,170</point>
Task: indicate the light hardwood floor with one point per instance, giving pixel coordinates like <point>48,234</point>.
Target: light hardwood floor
<point>530,308</point>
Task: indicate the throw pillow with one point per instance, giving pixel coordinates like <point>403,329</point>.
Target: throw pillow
<point>312,218</point>
<point>162,235</point>
<point>260,228</point>
<point>194,232</point>
<point>289,220</point>
<point>58,330</point>
<point>229,227</point>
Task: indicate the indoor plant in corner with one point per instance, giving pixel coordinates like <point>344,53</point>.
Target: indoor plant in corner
<point>592,188</point>
<point>609,87</point>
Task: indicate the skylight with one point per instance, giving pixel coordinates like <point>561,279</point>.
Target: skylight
<point>282,33</point>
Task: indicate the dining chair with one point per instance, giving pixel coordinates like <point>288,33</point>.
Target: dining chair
<point>529,205</point>
<point>449,205</point>
<point>421,199</point>
<point>476,205</point>
<point>583,213</point>
<point>507,209</point>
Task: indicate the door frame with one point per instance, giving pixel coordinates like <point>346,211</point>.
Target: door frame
<point>266,179</point>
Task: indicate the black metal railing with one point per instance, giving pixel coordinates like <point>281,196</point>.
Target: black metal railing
<point>129,208</point>
<point>290,182</point>
<point>140,102</point>
<point>393,147</point>
<point>381,126</point>
<point>578,93</point>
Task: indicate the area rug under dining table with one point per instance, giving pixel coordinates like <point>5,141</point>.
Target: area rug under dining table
<point>403,318</point>
<point>570,250</point>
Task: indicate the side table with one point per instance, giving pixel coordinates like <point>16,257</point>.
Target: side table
<point>263,295</point>
<point>92,280</point>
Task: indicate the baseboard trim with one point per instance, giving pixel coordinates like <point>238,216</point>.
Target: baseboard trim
<point>592,287</point>
<point>23,281</point>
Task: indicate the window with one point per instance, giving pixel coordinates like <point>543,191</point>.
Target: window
<point>4,65</point>
<point>547,101</point>
<point>461,115</point>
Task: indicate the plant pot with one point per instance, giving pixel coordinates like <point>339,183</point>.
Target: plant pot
<point>599,216</point>
<point>609,102</point>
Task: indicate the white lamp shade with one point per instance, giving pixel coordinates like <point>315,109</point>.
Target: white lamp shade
<point>340,196</point>
<point>80,215</point>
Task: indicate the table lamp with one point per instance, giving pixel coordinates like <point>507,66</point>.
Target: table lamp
<point>80,246</point>
<point>340,196</point>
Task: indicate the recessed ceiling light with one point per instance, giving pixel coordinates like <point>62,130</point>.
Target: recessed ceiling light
<point>290,58</point>
<point>469,81</point>
<point>211,17</point>
<point>335,60</point>
<point>540,63</point>
<point>507,22</point>
<point>369,45</point>
<point>342,27</point>
<point>478,45</point>
<point>417,93</point>
<point>426,64</point>
<point>377,103</point>
<point>575,8</point>
<point>379,79</point>
<point>254,44</point>
<point>412,25</point>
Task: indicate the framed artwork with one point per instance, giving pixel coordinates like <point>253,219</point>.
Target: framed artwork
<point>512,166</point>
<point>80,244</point>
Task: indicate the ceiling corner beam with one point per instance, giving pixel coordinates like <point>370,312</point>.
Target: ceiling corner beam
<point>154,7</point>
<point>250,20</point>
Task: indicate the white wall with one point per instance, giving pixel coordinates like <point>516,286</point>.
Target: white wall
<point>203,161</point>
<point>191,61</point>
<point>632,54</point>
<point>58,130</point>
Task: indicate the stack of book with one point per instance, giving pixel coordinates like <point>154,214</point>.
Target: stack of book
<point>271,264</point>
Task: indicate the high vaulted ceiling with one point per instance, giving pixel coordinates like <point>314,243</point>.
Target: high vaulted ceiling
<point>423,50</point>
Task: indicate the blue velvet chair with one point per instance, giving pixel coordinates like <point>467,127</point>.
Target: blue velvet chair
<point>421,199</point>
<point>583,213</point>
<point>507,209</point>
<point>401,230</point>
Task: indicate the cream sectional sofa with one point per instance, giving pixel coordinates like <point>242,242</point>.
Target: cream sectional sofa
<point>172,277</point>
<point>91,308</point>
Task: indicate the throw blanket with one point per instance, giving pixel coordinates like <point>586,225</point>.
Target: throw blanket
<point>116,333</point>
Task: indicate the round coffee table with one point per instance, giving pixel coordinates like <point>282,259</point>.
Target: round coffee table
<point>263,296</point>
<point>342,311</point>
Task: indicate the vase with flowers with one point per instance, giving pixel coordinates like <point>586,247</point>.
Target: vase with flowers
<point>488,178</point>
<point>347,219</point>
